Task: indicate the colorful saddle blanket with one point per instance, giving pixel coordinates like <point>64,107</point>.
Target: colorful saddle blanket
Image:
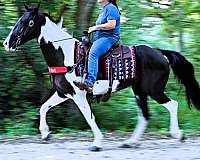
<point>122,60</point>
<point>118,64</point>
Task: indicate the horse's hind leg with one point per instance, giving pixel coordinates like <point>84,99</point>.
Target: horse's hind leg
<point>51,102</point>
<point>143,117</point>
<point>172,107</point>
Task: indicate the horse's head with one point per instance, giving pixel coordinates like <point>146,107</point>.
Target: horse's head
<point>27,28</point>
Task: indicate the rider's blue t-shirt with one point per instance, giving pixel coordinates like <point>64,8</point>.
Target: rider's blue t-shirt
<point>109,12</point>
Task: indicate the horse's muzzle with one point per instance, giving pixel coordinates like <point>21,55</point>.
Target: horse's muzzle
<point>7,47</point>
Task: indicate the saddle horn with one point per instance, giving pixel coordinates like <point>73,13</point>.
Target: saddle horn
<point>85,33</point>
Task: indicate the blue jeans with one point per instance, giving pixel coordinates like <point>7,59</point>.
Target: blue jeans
<point>98,49</point>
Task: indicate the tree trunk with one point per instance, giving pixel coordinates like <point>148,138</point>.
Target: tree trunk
<point>84,13</point>
<point>180,29</point>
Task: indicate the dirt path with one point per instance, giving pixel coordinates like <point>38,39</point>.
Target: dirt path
<point>76,149</point>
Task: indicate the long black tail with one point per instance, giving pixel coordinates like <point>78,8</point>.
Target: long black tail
<point>184,71</point>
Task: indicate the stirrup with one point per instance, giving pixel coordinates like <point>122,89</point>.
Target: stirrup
<point>107,95</point>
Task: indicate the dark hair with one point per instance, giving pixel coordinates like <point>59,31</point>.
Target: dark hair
<point>114,2</point>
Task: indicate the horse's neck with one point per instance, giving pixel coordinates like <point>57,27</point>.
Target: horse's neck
<point>53,33</point>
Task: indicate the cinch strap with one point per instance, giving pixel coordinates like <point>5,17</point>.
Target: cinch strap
<point>57,70</point>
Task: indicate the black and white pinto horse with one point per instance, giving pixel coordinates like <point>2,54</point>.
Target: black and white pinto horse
<point>152,75</point>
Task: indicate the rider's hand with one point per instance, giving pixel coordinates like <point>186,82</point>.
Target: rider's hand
<point>91,29</point>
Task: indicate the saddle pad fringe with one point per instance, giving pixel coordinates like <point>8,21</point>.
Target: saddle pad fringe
<point>123,63</point>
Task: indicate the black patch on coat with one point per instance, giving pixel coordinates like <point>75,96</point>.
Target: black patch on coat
<point>55,58</point>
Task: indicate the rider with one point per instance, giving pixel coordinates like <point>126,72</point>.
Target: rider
<point>107,30</point>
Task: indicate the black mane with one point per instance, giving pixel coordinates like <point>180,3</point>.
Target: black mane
<point>51,18</point>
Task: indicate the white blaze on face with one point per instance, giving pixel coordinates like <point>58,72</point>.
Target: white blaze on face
<point>6,42</point>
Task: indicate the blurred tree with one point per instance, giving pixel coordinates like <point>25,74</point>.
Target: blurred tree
<point>85,9</point>
<point>24,80</point>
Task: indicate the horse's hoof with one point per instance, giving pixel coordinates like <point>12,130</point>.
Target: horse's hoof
<point>183,138</point>
<point>95,149</point>
<point>133,144</point>
<point>47,137</point>
<point>125,146</point>
<point>178,135</point>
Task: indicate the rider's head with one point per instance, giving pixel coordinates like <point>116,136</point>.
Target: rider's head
<point>103,2</point>
<point>114,2</point>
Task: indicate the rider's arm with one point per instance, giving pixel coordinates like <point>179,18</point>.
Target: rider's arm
<point>106,26</point>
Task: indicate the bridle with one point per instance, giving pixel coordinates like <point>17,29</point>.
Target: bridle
<point>18,38</point>
<point>52,70</point>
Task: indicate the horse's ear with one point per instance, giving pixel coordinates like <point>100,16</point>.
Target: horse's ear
<point>37,8</point>
<point>60,22</point>
<point>26,7</point>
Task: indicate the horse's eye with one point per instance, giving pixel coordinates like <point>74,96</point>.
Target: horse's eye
<point>31,23</point>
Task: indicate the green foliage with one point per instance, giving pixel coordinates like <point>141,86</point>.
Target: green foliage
<point>21,123</point>
<point>24,82</point>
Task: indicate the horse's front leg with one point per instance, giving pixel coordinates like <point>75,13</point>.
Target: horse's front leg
<point>51,102</point>
<point>82,103</point>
